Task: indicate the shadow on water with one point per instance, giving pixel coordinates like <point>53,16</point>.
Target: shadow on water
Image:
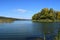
<point>50,30</point>
<point>47,31</point>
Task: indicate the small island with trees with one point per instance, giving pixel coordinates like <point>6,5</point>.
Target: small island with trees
<point>46,15</point>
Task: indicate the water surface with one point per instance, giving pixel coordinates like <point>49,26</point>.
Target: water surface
<point>27,30</point>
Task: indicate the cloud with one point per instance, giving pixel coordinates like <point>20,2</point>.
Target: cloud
<point>21,10</point>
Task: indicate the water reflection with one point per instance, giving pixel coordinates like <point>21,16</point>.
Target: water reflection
<point>6,20</point>
<point>47,30</point>
<point>59,33</point>
<point>50,30</point>
<point>29,30</point>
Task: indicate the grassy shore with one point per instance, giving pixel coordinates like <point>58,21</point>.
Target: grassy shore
<point>46,20</point>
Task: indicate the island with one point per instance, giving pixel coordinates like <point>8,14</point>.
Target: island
<point>47,15</point>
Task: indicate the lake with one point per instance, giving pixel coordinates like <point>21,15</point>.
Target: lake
<point>28,30</point>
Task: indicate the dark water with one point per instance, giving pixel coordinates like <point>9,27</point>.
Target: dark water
<point>28,30</point>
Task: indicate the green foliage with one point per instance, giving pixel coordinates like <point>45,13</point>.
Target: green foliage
<point>58,15</point>
<point>46,14</point>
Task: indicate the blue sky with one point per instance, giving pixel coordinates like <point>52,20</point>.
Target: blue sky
<point>25,8</point>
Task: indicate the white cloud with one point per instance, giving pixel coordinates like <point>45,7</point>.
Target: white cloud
<point>21,10</point>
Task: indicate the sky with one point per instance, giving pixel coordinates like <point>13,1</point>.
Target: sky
<point>25,9</point>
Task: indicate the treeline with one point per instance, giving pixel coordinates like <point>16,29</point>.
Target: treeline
<point>45,13</point>
<point>1,17</point>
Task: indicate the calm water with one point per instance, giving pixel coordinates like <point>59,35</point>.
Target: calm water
<point>28,30</point>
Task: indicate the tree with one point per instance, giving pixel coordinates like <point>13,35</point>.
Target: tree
<point>36,17</point>
<point>51,14</point>
<point>58,15</point>
<point>46,14</point>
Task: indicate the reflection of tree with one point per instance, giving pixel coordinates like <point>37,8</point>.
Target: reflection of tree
<point>58,34</point>
<point>6,20</point>
<point>48,29</point>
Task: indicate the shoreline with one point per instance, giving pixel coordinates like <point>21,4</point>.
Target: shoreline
<point>46,21</point>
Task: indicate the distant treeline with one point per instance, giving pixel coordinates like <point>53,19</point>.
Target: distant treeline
<point>1,17</point>
<point>5,18</point>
